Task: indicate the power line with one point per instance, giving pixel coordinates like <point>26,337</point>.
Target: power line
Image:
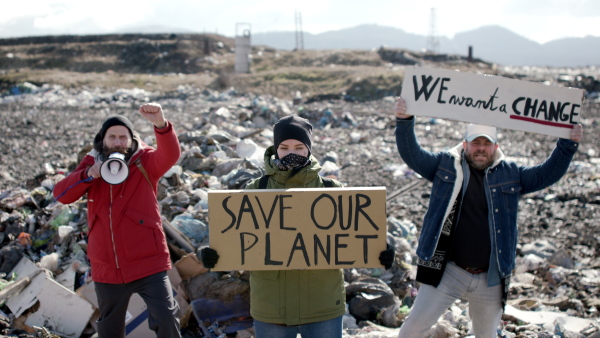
<point>299,33</point>
<point>433,41</point>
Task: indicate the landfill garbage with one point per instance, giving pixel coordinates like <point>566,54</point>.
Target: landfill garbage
<point>230,317</point>
<point>193,228</point>
<point>223,136</point>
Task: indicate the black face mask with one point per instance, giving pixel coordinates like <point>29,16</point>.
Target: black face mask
<point>291,161</point>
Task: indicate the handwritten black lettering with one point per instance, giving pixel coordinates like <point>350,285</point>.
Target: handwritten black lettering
<point>341,212</point>
<point>554,111</point>
<point>425,87</point>
<point>530,109</point>
<point>243,244</point>
<point>268,260</point>
<point>574,113</point>
<point>265,218</point>
<point>299,245</point>
<point>229,212</point>
<point>325,251</point>
<point>246,207</point>
<point>442,88</point>
<point>564,117</point>
<point>313,213</point>
<point>321,249</point>
<point>471,102</point>
<point>362,201</point>
<point>338,246</point>
<point>366,246</point>
<point>282,208</point>
<point>359,210</point>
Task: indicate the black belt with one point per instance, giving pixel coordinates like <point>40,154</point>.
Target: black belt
<point>474,271</point>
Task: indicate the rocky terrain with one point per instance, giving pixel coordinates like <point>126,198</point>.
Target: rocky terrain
<point>48,124</point>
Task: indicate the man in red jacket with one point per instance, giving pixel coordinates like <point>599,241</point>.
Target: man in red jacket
<point>127,246</point>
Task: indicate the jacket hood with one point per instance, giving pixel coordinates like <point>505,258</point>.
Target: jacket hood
<point>458,151</point>
<point>136,144</point>
<point>305,174</point>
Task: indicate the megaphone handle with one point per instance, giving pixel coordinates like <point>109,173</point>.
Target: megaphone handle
<point>112,169</point>
<point>94,171</point>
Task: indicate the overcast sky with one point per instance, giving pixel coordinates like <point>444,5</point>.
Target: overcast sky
<point>538,20</point>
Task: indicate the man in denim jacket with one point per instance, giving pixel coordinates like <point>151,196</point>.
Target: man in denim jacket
<point>468,241</point>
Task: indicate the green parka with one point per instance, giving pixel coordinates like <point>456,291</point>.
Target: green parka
<point>295,297</point>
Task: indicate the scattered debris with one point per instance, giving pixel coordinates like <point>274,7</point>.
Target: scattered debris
<point>223,135</point>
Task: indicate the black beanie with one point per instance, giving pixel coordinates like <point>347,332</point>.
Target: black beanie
<point>111,121</point>
<point>292,127</point>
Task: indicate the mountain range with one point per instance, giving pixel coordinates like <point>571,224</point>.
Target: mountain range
<point>490,43</point>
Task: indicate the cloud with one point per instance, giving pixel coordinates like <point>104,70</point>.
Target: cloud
<point>73,17</point>
<point>23,26</point>
<point>554,8</point>
<point>540,20</point>
<point>32,26</point>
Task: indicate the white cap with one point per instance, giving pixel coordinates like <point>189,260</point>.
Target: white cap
<point>477,130</point>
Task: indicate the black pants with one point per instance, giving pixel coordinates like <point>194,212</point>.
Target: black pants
<point>156,292</point>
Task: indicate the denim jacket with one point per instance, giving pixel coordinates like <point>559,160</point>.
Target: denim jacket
<point>504,184</point>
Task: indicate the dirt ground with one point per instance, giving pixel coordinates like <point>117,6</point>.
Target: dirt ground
<point>37,137</point>
<point>44,133</point>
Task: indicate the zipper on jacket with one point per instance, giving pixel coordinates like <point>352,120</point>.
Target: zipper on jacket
<point>112,235</point>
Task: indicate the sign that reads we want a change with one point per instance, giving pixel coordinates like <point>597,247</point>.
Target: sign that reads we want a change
<point>283,229</point>
<point>492,100</point>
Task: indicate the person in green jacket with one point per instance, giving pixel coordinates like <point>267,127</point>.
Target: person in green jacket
<point>285,303</point>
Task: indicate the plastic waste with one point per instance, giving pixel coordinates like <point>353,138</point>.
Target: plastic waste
<point>329,168</point>
<point>48,169</point>
<point>402,228</point>
<point>246,148</point>
<point>331,156</point>
<point>213,182</point>
<point>65,216</point>
<point>64,231</point>
<point>176,169</point>
<point>215,310</point>
<point>529,262</point>
<point>201,205</point>
<point>202,196</point>
<point>50,262</point>
<point>193,228</point>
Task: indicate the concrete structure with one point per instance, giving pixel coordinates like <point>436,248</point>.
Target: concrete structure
<point>243,48</point>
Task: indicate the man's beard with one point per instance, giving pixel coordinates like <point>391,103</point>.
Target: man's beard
<point>118,149</point>
<point>478,165</point>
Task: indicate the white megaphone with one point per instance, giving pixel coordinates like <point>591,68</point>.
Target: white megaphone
<point>114,170</point>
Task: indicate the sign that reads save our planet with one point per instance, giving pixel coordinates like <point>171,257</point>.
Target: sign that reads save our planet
<point>283,229</point>
<point>492,100</point>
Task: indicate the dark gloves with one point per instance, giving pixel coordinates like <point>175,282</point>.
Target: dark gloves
<point>208,257</point>
<point>387,257</point>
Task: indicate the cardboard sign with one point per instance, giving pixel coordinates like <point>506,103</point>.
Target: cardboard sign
<point>283,229</point>
<point>492,100</point>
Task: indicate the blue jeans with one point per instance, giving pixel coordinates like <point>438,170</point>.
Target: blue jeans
<point>331,328</point>
<point>485,303</point>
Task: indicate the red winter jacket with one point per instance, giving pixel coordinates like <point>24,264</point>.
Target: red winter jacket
<point>126,240</point>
